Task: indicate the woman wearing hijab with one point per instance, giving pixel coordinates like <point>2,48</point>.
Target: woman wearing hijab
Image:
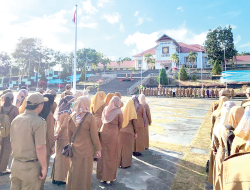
<point>241,142</point>
<point>47,115</point>
<point>97,106</point>
<point>127,135</point>
<point>61,163</point>
<point>140,123</point>
<point>142,100</point>
<point>112,120</point>
<point>215,144</point>
<point>77,94</point>
<point>12,112</point>
<point>221,147</point>
<point>120,96</point>
<point>217,112</point>
<point>22,94</point>
<point>84,146</point>
<point>108,98</point>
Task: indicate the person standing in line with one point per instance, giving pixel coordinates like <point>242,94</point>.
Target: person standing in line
<point>174,92</point>
<point>142,100</point>
<point>84,146</point>
<point>247,95</point>
<point>11,111</point>
<point>53,108</point>
<point>139,144</point>
<point>97,106</point>
<point>61,163</point>
<point>108,98</point>
<point>28,142</point>
<point>212,93</point>
<point>48,116</point>
<point>2,96</point>
<point>77,94</point>
<point>207,93</point>
<point>112,119</point>
<point>232,93</point>
<point>120,96</point>
<point>67,92</point>
<point>127,135</point>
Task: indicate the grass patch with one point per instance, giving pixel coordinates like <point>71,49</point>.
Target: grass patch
<point>157,129</point>
<point>191,174</point>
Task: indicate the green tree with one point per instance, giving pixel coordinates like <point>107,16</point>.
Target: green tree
<point>216,70</point>
<point>182,75</point>
<point>192,58</point>
<point>194,77</point>
<point>119,62</point>
<point>4,63</point>
<point>149,60</point>
<point>104,61</point>
<point>43,77</point>
<point>213,43</point>
<point>162,79</point>
<point>175,58</point>
<point>82,77</point>
<point>127,59</point>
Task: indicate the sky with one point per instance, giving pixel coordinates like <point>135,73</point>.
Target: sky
<point>120,28</point>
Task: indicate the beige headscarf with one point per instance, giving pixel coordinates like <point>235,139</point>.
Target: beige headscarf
<point>129,113</point>
<point>217,112</point>
<point>112,110</point>
<point>97,101</point>
<point>77,94</point>
<point>243,129</point>
<point>235,116</point>
<point>81,107</point>
<point>120,96</point>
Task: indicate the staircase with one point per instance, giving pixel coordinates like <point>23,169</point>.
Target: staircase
<point>116,86</point>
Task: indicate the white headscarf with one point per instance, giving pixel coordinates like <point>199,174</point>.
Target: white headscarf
<point>225,110</point>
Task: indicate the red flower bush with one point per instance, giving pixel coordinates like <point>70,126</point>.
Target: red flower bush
<point>42,84</point>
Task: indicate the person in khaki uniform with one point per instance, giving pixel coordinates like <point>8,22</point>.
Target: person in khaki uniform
<point>247,95</point>
<point>28,141</point>
<point>235,173</point>
<point>53,108</point>
<point>2,96</point>
<point>12,112</point>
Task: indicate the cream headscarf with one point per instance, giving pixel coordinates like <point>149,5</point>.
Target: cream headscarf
<point>22,94</point>
<point>224,117</point>
<point>120,96</point>
<point>97,101</point>
<point>77,94</point>
<point>217,112</point>
<point>243,129</point>
<point>235,116</point>
<point>129,113</point>
<point>22,107</point>
<point>81,107</point>
<point>112,110</point>
<point>108,98</point>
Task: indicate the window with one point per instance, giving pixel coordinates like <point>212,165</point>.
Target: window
<point>139,63</point>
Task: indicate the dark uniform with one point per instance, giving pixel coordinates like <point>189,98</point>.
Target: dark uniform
<point>27,131</point>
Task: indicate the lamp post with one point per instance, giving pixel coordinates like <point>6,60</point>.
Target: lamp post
<point>223,46</point>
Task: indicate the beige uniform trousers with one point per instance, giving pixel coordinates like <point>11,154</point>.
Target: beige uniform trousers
<point>25,175</point>
<point>5,153</point>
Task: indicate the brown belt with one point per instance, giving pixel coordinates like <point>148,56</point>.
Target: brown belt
<point>27,160</point>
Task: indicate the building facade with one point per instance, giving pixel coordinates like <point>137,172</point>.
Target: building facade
<point>166,46</point>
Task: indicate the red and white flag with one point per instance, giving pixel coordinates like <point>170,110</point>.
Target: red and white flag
<point>74,17</point>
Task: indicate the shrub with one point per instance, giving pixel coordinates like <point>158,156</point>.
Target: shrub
<point>109,68</point>
<point>82,77</point>
<point>182,75</point>
<point>194,77</point>
<point>216,70</point>
<point>42,84</point>
<point>43,77</point>
<point>163,79</point>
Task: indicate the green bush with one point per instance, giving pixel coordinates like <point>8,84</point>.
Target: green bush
<point>194,77</point>
<point>216,70</point>
<point>43,77</point>
<point>182,75</point>
<point>82,77</point>
<point>109,68</point>
<point>163,79</point>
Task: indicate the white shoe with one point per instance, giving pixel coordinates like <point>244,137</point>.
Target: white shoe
<point>101,181</point>
<point>108,182</point>
<point>114,180</point>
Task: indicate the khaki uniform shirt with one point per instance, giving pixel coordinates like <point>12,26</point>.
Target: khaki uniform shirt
<point>244,101</point>
<point>27,131</point>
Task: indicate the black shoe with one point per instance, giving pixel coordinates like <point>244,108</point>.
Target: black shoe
<point>96,159</point>
<point>137,154</point>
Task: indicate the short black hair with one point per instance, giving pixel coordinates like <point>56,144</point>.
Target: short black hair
<point>31,107</point>
<point>24,87</point>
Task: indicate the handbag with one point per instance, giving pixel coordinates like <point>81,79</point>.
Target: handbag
<point>67,150</point>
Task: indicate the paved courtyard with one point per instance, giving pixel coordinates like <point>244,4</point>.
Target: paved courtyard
<point>175,121</point>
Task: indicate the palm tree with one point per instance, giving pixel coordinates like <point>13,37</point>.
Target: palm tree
<point>119,62</point>
<point>192,57</point>
<point>149,59</point>
<point>175,57</point>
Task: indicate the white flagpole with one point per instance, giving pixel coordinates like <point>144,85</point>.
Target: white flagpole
<point>74,77</point>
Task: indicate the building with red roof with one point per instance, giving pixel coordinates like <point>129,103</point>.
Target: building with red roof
<point>113,65</point>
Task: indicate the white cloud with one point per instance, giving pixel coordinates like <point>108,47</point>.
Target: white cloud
<point>141,41</point>
<point>112,57</point>
<point>88,7</point>
<point>209,17</point>
<point>233,13</point>
<point>233,27</point>
<point>140,21</point>
<point>180,8</point>
<point>88,25</point>
<point>244,45</point>
<point>137,13</point>
<point>112,18</point>
<point>238,38</point>
<point>107,37</point>
<point>103,3</point>
<point>121,27</point>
